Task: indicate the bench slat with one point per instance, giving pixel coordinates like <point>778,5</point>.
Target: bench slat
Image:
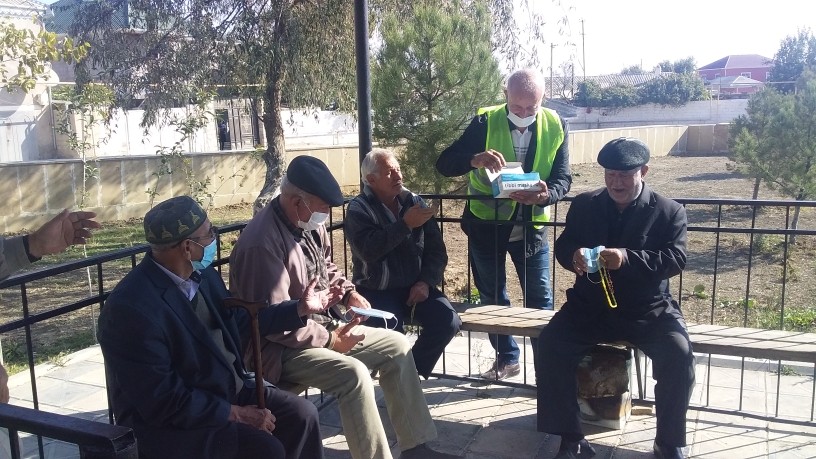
<point>706,339</point>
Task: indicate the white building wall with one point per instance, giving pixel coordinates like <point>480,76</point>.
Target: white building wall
<point>697,112</point>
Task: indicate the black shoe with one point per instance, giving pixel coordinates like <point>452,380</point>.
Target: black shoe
<point>502,371</point>
<point>667,452</point>
<point>580,449</point>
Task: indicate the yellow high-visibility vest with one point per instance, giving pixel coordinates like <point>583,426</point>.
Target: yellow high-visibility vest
<point>549,136</point>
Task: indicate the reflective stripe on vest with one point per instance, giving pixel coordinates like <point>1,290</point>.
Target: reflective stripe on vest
<point>549,136</point>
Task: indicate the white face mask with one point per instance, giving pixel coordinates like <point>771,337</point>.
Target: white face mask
<point>519,121</point>
<point>315,221</point>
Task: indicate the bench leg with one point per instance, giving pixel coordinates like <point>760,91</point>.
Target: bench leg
<point>637,373</point>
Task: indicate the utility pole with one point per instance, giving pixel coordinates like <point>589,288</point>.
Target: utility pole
<point>583,49</point>
<point>363,78</point>
<point>552,46</point>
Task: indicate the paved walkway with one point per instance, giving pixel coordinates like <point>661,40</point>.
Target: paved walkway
<point>495,422</point>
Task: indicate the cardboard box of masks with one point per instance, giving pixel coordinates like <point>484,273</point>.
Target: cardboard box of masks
<point>512,178</point>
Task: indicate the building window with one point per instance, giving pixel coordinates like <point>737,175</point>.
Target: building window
<point>746,74</point>
<point>767,76</point>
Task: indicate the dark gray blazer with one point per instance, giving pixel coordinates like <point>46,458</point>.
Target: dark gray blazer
<point>167,379</point>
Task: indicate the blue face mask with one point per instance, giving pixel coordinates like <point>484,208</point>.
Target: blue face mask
<point>592,257</point>
<point>207,258</point>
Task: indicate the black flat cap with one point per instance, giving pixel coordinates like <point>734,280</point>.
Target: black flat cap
<point>312,176</point>
<point>173,220</point>
<point>623,154</point>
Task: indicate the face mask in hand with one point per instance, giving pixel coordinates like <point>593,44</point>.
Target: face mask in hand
<point>207,258</point>
<point>519,121</point>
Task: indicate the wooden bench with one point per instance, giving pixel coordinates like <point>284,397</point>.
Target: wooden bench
<point>603,378</point>
<point>705,339</point>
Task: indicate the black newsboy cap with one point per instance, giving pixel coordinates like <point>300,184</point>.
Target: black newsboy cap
<point>312,176</point>
<point>623,154</point>
<point>173,220</point>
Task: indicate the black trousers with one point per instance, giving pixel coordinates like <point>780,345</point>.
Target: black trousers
<point>297,428</point>
<point>440,322</point>
<point>572,333</point>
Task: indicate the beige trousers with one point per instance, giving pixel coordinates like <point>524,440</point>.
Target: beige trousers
<point>348,378</point>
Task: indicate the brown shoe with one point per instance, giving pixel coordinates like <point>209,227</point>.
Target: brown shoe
<point>501,371</point>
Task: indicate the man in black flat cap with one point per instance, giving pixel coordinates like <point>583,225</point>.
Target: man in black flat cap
<point>173,354</point>
<point>283,248</point>
<point>644,235</point>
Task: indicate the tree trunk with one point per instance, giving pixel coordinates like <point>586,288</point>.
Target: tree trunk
<point>275,148</point>
<point>757,181</point>
<point>795,223</point>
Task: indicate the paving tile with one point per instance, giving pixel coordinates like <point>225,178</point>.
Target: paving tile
<point>519,443</point>
<point>479,420</point>
<point>335,447</point>
<point>792,384</point>
<point>732,425</point>
<point>731,378</point>
<point>638,435</point>
<point>467,409</point>
<point>792,450</point>
<point>79,371</point>
<point>713,444</point>
<point>454,437</point>
<point>791,406</point>
<point>517,412</point>
<point>53,449</point>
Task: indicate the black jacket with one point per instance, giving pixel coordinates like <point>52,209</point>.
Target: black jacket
<point>653,233</point>
<point>388,254</point>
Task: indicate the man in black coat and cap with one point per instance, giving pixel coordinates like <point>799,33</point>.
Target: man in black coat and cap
<point>621,292</point>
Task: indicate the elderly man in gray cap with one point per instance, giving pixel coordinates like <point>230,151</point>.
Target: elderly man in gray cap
<point>284,247</point>
<point>173,354</point>
<point>623,242</point>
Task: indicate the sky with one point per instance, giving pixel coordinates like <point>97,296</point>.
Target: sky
<point>622,33</point>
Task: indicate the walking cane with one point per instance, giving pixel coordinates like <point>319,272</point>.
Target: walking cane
<point>253,308</point>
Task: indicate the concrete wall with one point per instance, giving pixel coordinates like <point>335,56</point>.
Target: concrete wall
<point>698,112</point>
<point>35,191</point>
<point>662,140</point>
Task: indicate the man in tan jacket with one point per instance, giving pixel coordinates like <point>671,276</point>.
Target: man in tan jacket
<point>282,249</point>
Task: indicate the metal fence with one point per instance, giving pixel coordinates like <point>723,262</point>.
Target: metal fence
<point>744,269</point>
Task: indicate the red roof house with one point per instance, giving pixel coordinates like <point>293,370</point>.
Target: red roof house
<point>751,66</point>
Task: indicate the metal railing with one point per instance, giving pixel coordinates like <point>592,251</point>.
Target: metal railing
<point>95,440</point>
<point>742,265</point>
